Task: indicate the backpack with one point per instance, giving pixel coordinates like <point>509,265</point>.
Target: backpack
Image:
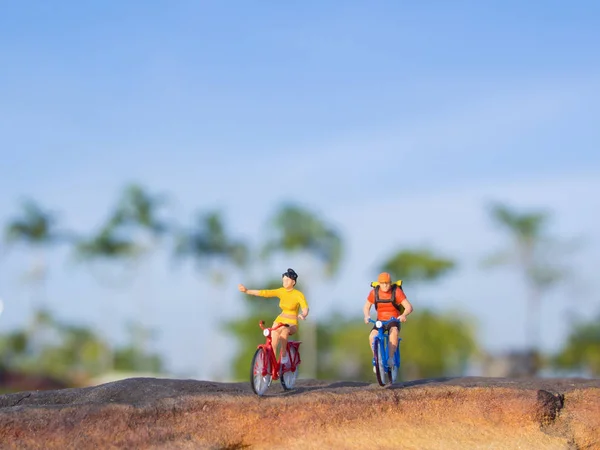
<point>392,300</point>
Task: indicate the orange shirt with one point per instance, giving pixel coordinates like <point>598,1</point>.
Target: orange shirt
<point>385,311</point>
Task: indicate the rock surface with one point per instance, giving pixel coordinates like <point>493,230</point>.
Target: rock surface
<point>447,413</point>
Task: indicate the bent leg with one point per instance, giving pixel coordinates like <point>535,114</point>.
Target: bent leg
<point>283,340</point>
<point>393,342</point>
<point>371,339</point>
<point>275,340</point>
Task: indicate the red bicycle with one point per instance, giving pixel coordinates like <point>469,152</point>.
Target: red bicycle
<point>266,367</point>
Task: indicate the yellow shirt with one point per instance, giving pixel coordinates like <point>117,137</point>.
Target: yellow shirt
<point>290,303</point>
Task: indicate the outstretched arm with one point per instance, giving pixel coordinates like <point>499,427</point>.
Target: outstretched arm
<point>258,292</point>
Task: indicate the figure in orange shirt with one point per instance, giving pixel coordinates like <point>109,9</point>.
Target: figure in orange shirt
<point>387,307</point>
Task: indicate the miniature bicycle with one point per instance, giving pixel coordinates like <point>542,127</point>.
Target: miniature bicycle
<point>266,367</point>
<point>381,352</point>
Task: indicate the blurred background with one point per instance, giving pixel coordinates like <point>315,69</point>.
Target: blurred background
<point>156,154</point>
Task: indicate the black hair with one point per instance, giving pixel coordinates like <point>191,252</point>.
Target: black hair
<point>291,274</point>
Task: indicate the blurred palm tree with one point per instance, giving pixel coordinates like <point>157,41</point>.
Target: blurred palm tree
<point>35,228</point>
<point>140,210</point>
<point>417,266</point>
<point>294,229</point>
<point>128,237</point>
<point>210,246</point>
<point>537,258</point>
<point>208,243</point>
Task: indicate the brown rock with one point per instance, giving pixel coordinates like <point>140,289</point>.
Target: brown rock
<point>443,413</point>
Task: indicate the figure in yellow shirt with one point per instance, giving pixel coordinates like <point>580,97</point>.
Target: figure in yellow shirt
<point>290,301</point>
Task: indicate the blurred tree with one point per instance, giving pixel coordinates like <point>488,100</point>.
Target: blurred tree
<point>128,237</point>
<point>130,233</point>
<point>72,353</point>
<point>537,257</point>
<point>214,252</point>
<point>132,358</point>
<point>439,345</point>
<point>141,211</point>
<point>208,243</point>
<point>582,350</point>
<point>295,229</point>
<point>35,228</point>
<point>417,266</point>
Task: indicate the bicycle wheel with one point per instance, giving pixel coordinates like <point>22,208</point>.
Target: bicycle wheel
<point>260,383</point>
<point>380,371</point>
<point>288,379</point>
<point>394,372</point>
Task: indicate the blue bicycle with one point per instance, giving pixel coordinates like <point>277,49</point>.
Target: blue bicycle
<point>381,352</point>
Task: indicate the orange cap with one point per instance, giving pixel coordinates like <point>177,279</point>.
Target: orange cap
<point>384,278</point>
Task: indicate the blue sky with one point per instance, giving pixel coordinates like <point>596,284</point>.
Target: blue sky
<point>396,121</point>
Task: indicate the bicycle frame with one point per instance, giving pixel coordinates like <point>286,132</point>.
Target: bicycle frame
<point>269,352</point>
<point>383,339</point>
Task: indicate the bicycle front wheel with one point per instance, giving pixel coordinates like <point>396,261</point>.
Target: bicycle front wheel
<point>380,370</point>
<point>394,372</point>
<point>260,364</point>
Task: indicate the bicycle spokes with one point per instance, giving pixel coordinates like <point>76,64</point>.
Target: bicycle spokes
<point>260,377</point>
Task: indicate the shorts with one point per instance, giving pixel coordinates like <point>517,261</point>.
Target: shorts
<point>388,327</point>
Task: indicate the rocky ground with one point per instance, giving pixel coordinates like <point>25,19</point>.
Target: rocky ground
<point>449,413</point>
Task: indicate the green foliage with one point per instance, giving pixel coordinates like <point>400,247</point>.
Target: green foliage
<point>107,245</point>
<point>437,344</point>
<point>417,266</point>
<point>130,359</point>
<point>208,241</point>
<point>432,345</point>
<point>343,350</point>
<point>582,349</point>
<point>526,227</point>
<point>118,238</point>
<point>138,208</point>
<point>34,226</point>
<point>296,229</point>
<point>66,351</point>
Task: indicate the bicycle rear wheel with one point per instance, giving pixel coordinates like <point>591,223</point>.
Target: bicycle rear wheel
<point>288,378</point>
<point>260,383</point>
<point>380,371</point>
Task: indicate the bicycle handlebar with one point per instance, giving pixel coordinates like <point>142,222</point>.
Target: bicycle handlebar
<point>385,322</point>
